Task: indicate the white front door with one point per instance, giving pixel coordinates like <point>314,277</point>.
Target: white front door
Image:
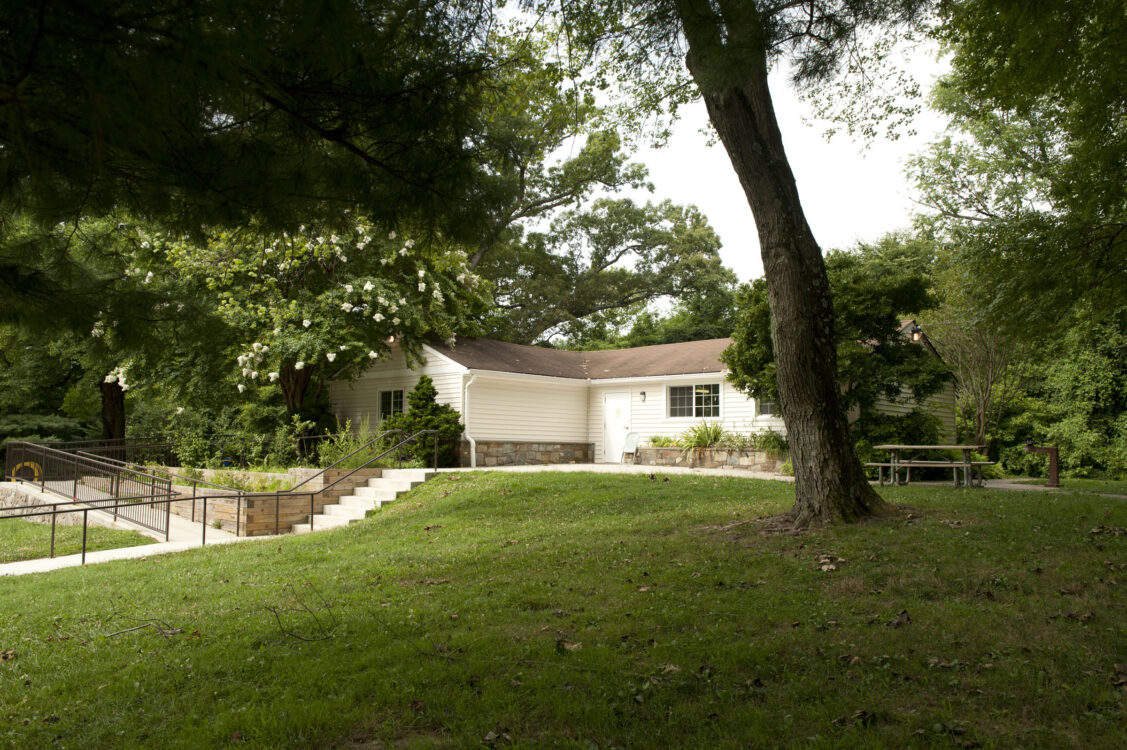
<point>616,423</point>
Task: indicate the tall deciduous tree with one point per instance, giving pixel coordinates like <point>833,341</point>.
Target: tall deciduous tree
<point>1030,188</point>
<point>318,305</point>
<point>731,45</point>
<point>988,364</point>
<point>597,263</point>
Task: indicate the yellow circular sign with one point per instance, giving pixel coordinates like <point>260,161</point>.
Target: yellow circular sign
<point>35,468</point>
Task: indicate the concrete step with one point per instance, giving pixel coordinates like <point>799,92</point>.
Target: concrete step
<point>410,475</point>
<point>376,493</point>
<point>362,501</point>
<point>397,485</point>
<point>321,522</point>
<point>355,506</point>
<point>344,511</point>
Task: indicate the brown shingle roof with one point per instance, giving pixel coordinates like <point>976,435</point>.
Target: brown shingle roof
<point>643,361</point>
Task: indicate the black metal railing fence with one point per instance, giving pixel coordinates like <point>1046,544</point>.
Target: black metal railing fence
<point>97,483</point>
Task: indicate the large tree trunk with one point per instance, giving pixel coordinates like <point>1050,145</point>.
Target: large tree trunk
<point>113,411</point>
<point>294,384</point>
<point>830,484</point>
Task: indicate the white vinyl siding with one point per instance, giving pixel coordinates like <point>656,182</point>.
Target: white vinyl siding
<point>527,409</point>
<point>650,417</point>
<point>360,398</point>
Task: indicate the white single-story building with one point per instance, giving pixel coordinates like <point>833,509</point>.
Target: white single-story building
<point>528,404</point>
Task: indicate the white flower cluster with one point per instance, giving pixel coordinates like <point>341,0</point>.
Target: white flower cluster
<point>98,331</point>
<point>118,376</point>
<point>249,360</point>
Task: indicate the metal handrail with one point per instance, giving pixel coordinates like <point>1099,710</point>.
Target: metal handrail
<point>106,442</point>
<point>334,464</point>
<point>70,506</point>
<point>166,495</point>
<point>312,494</point>
<point>73,472</point>
<point>395,447</point>
<point>170,475</point>
<point>90,459</point>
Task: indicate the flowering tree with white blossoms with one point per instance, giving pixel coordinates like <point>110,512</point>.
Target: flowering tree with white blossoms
<point>313,306</point>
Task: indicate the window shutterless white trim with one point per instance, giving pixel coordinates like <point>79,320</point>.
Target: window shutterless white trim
<point>393,404</point>
<point>696,401</point>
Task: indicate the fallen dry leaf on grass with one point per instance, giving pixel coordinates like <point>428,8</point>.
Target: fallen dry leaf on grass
<point>857,717</point>
<point>8,655</point>
<point>828,563</point>
<point>902,618</point>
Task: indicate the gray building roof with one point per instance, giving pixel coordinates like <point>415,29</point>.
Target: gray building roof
<point>644,361</point>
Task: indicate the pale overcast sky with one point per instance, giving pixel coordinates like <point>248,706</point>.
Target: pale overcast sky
<point>849,194</point>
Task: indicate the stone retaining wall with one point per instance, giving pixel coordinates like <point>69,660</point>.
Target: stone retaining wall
<point>13,498</point>
<point>712,458</point>
<point>515,453</point>
<point>262,514</point>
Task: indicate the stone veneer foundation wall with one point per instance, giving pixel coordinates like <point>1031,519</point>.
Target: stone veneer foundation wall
<point>712,458</point>
<point>515,453</point>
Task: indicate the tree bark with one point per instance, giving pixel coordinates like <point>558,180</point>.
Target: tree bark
<point>830,484</point>
<point>113,411</point>
<point>294,384</point>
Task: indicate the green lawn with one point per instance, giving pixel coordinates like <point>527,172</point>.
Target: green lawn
<point>593,611</point>
<point>1106,486</point>
<point>25,540</point>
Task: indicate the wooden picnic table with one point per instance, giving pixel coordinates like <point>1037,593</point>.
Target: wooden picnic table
<point>897,462</point>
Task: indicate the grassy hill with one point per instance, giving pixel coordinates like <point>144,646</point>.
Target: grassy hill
<point>593,611</point>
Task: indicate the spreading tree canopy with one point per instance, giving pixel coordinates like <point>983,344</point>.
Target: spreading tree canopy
<point>215,111</point>
<point>1030,188</point>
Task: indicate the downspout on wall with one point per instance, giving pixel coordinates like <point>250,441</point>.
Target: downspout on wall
<point>466,416</point>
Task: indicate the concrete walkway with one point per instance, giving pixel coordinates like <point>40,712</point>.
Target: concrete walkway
<point>182,535</point>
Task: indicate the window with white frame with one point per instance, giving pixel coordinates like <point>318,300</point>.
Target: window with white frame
<point>766,408</point>
<point>694,400</point>
<point>391,402</point>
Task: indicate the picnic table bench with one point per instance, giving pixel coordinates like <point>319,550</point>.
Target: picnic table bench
<point>897,461</point>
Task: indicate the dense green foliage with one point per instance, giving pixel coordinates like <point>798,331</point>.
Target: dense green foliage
<point>425,413</point>
<point>1074,397</point>
<point>214,112</point>
<point>586,609</point>
<point>1027,200</point>
<point>874,288</point>
<point>598,266</point>
<point>1035,175</point>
